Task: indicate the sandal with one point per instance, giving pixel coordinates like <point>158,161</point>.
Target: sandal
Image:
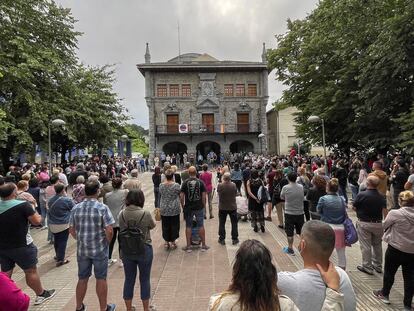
<point>61,263</point>
<point>204,248</point>
<point>187,249</point>
<point>166,245</point>
<point>173,246</point>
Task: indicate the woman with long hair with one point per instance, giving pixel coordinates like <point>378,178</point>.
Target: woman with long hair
<point>254,284</point>
<point>332,209</point>
<point>170,210</point>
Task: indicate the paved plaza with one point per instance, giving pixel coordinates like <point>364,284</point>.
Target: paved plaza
<point>185,281</point>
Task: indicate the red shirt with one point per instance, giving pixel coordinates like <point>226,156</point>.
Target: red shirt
<point>206,177</point>
<point>12,297</point>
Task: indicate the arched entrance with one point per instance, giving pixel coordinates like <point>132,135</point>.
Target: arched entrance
<point>206,146</point>
<point>241,146</point>
<point>174,148</point>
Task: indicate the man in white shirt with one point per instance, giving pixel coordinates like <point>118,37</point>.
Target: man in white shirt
<point>306,287</point>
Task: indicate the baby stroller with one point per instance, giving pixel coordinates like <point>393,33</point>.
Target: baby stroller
<point>242,209</point>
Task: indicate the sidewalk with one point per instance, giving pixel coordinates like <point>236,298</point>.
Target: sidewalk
<point>185,281</point>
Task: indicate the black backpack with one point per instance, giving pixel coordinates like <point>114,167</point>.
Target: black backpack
<point>276,189</point>
<point>132,239</point>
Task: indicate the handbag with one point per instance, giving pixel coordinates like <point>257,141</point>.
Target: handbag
<point>157,214</point>
<point>350,233</point>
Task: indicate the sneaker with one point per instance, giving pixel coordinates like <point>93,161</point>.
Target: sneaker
<point>222,242</point>
<point>378,270</point>
<point>255,229</point>
<point>43,228</point>
<point>47,294</point>
<point>83,308</point>
<point>262,228</point>
<point>111,307</point>
<point>288,251</point>
<point>365,270</point>
<point>111,262</point>
<point>235,241</point>
<point>380,296</point>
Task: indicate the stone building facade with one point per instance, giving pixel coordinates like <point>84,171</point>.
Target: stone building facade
<point>199,104</point>
<point>281,130</point>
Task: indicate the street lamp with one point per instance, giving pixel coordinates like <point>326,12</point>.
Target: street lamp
<point>316,119</point>
<point>55,122</point>
<point>261,136</point>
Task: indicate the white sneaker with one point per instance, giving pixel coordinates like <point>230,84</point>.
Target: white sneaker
<point>111,262</point>
<point>47,294</point>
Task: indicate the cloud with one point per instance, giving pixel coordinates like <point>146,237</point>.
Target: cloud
<point>115,32</point>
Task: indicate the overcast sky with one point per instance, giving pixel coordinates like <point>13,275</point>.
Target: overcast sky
<point>115,32</point>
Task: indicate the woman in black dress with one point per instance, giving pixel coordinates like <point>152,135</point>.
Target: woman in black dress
<point>255,207</point>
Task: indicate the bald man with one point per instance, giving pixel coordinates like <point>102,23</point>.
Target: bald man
<point>306,287</point>
<point>193,201</point>
<point>370,206</point>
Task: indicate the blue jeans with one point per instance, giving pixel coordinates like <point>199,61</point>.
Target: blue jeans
<point>61,240</point>
<point>99,263</point>
<point>342,192</point>
<point>354,190</point>
<point>130,268</point>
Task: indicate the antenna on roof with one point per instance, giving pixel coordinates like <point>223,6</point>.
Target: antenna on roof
<point>179,42</point>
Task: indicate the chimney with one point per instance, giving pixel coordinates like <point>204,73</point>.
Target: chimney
<point>147,55</point>
<point>264,55</point>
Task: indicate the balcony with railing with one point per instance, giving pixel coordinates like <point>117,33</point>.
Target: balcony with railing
<point>207,128</point>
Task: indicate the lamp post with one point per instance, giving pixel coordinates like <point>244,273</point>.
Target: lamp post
<point>316,119</point>
<point>261,136</point>
<point>56,122</point>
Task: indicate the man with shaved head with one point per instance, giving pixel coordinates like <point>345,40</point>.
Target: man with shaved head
<point>193,200</point>
<point>306,287</point>
<point>370,206</point>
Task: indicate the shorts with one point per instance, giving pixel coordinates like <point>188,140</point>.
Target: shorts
<point>293,222</point>
<point>199,214</point>
<point>25,257</point>
<point>99,263</point>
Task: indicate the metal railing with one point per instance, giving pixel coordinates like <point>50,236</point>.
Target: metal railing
<point>207,128</point>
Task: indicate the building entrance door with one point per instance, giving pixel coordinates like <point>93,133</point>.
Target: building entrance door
<point>208,122</point>
<point>172,123</point>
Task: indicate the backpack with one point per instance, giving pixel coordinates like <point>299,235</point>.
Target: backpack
<point>263,195</point>
<point>132,239</point>
<point>277,189</point>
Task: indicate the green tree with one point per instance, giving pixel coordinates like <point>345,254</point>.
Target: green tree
<point>333,63</point>
<point>42,79</point>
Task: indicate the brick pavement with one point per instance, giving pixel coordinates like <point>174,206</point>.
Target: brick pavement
<point>182,281</point>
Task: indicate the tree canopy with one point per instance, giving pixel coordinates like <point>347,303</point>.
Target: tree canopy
<point>351,62</point>
<point>42,79</point>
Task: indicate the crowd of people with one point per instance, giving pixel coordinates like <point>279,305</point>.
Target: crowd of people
<point>99,201</point>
